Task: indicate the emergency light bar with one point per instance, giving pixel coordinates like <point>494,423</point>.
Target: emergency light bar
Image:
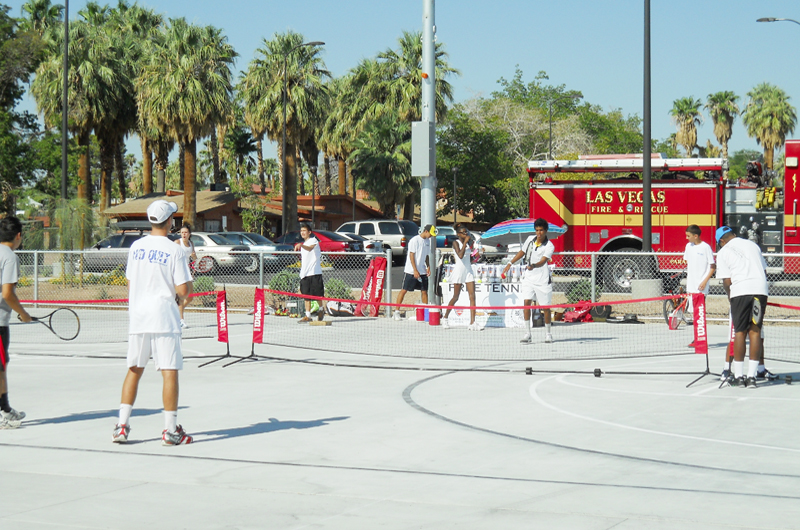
<point>626,164</point>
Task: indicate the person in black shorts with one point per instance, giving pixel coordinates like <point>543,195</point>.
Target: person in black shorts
<point>742,268</point>
<point>418,267</point>
<point>310,270</point>
<point>10,240</point>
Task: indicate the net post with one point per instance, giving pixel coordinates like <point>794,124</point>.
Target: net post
<point>594,276</point>
<point>388,283</point>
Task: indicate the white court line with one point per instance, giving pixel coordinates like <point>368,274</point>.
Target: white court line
<point>543,403</point>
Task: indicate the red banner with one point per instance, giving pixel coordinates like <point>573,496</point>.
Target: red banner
<point>258,317</point>
<point>222,316</point>
<point>373,288</point>
<point>700,328</point>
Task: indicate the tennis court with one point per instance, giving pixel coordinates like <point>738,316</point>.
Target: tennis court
<point>317,439</point>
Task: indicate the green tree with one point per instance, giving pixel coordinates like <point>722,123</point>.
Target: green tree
<point>39,16</point>
<point>185,90</point>
<point>484,169</point>
<point>611,132</point>
<point>382,161</point>
<point>685,113</point>
<point>262,92</point>
<point>737,163</point>
<point>723,110</point>
<point>769,117</point>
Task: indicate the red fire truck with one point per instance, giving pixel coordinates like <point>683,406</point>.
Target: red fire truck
<point>603,210</point>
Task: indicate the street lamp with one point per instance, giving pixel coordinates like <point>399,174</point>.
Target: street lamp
<point>455,202</point>
<point>65,106</point>
<point>550,113</point>
<point>773,19</point>
<point>285,190</point>
<point>313,170</point>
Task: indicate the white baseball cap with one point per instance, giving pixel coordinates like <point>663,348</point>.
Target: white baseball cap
<point>160,210</point>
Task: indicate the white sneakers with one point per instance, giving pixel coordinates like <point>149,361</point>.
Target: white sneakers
<point>548,338</point>
<point>183,324</point>
<point>526,338</point>
<point>445,324</point>
<point>475,327</point>
<point>396,315</point>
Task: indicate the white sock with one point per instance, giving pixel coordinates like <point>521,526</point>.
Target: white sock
<point>762,368</point>
<point>738,368</point>
<point>171,420</point>
<point>308,314</point>
<point>547,328</point>
<point>528,325</point>
<point>726,365</point>
<point>751,368</point>
<point>125,414</point>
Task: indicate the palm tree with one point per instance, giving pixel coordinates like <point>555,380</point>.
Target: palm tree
<point>723,110</point>
<point>262,95</point>
<point>769,117</point>
<point>94,85</point>
<point>382,161</point>
<point>686,115</point>
<point>40,15</point>
<point>185,90</point>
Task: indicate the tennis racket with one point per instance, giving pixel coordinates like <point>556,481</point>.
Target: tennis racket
<point>63,322</point>
<point>676,317</point>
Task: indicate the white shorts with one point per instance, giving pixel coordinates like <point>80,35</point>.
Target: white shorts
<point>460,275</point>
<point>164,347</point>
<point>543,294</point>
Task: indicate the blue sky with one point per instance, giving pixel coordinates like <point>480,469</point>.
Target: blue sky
<point>698,47</point>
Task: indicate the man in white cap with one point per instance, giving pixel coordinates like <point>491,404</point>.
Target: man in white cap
<point>417,269</point>
<point>742,267</point>
<point>156,274</point>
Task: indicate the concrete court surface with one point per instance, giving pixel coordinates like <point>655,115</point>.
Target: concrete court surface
<point>331,440</point>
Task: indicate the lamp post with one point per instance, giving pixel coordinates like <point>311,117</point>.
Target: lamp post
<point>313,170</point>
<point>285,190</point>
<point>773,19</point>
<point>65,105</point>
<point>455,201</point>
<point>550,113</point>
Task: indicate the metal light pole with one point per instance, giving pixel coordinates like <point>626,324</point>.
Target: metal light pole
<point>65,105</point>
<point>773,19</point>
<point>285,190</point>
<point>455,201</point>
<point>313,170</point>
<point>647,200</point>
<point>550,113</point>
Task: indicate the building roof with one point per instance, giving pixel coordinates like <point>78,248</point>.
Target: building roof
<point>206,200</point>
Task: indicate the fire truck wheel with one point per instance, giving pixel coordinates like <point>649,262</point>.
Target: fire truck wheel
<point>618,271</point>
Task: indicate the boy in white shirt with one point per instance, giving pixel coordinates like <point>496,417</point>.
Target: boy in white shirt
<point>157,273</point>
<point>700,264</point>
<point>417,269</point>
<point>310,271</point>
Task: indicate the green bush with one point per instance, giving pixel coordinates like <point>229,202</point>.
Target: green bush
<point>581,291</point>
<point>286,280</point>
<point>336,288</point>
<point>203,284</point>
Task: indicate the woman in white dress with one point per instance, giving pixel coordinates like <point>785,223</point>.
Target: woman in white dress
<point>189,255</point>
<point>462,274</point>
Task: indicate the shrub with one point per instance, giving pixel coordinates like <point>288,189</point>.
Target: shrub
<point>336,288</point>
<point>581,291</point>
<point>204,284</point>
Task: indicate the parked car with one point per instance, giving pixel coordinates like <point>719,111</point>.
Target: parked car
<point>328,242</point>
<point>370,245</point>
<point>259,243</point>
<point>215,252</point>
<point>389,232</point>
<point>111,252</point>
<point>445,235</point>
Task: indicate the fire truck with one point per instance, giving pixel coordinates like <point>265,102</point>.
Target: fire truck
<point>600,199</point>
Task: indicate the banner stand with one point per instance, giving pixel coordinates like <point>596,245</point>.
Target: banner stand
<point>700,332</point>
<point>222,327</point>
<point>258,329</point>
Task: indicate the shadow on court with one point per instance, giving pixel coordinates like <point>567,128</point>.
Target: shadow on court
<point>93,415</point>
<point>264,427</point>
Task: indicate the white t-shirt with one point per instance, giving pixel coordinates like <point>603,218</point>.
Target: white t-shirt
<point>741,261</point>
<point>421,248</point>
<point>310,259</point>
<point>155,266</point>
<point>534,254</point>
<point>9,273</point>
<point>699,259</point>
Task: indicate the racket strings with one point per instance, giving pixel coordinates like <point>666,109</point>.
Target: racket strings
<point>65,323</point>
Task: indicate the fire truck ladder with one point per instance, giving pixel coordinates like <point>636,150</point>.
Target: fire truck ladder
<point>618,165</point>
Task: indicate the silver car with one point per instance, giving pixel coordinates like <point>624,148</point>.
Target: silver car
<point>216,253</point>
<point>260,244</point>
<point>370,245</point>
